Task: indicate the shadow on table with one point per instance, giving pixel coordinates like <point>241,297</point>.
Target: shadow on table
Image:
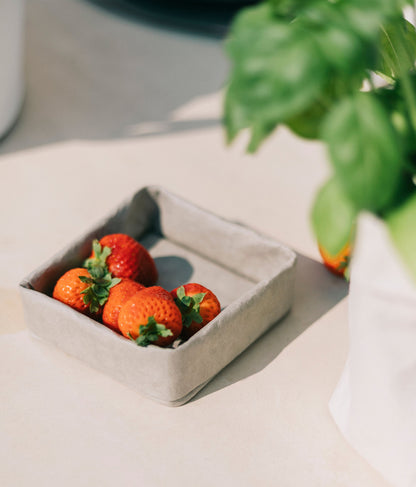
<point>200,17</point>
<point>316,292</point>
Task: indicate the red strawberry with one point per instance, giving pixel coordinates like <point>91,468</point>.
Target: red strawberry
<point>198,306</point>
<point>157,291</point>
<point>150,317</point>
<point>124,257</point>
<point>337,264</point>
<point>119,294</point>
<point>78,289</point>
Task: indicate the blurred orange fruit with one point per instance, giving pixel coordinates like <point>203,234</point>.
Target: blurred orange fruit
<point>337,264</point>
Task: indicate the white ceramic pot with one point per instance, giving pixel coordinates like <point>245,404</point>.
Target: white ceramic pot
<point>11,62</point>
<point>374,404</point>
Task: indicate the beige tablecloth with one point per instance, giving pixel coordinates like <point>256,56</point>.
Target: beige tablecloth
<point>264,419</point>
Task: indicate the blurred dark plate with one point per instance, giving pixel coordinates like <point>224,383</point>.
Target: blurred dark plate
<point>200,16</point>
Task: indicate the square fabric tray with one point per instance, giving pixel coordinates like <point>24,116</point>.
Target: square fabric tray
<point>251,275</point>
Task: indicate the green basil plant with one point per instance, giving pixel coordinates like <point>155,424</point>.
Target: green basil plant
<point>314,66</point>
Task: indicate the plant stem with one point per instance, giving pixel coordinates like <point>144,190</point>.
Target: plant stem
<point>410,97</point>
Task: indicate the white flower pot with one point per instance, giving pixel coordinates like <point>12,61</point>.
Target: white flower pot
<point>11,62</point>
<point>374,404</point>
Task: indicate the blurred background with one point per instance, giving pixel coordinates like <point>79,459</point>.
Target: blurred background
<point>97,69</point>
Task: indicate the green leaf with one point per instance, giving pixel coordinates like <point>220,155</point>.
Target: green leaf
<point>162,331</point>
<point>333,217</point>
<point>235,116</point>
<point>98,291</point>
<point>142,341</point>
<point>276,72</point>
<point>397,49</point>
<point>365,151</point>
<point>394,102</point>
<point>401,224</point>
<point>198,298</point>
<point>366,17</point>
<point>181,292</point>
<point>150,332</point>
<point>94,308</point>
<point>86,279</point>
<point>259,132</point>
<point>189,306</point>
<point>287,8</point>
<point>344,48</point>
<point>114,282</point>
<point>287,55</point>
<point>184,300</point>
<point>97,265</point>
<point>307,124</point>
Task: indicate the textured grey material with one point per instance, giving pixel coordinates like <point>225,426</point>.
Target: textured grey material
<point>252,276</point>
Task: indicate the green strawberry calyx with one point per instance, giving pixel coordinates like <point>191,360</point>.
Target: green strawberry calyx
<point>150,332</point>
<point>189,306</point>
<point>97,265</point>
<point>344,264</point>
<point>101,280</point>
<point>96,294</point>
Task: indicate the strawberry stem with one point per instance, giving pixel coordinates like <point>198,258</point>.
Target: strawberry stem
<point>97,265</point>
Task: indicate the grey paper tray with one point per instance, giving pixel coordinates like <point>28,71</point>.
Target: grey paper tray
<point>251,275</point>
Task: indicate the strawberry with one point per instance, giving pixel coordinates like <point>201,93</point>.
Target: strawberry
<point>337,264</point>
<point>83,291</point>
<point>157,291</point>
<point>150,317</point>
<point>124,257</point>
<point>198,306</point>
<point>119,294</point>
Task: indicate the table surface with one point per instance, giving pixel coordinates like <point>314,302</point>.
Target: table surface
<point>113,104</point>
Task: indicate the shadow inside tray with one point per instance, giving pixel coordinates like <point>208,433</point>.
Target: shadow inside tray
<point>173,271</point>
<point>316,292</point>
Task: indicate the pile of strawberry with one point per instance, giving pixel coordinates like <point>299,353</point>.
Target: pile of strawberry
<point>117,286</point>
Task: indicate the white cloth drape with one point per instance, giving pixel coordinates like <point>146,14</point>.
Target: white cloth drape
<point>374,404</point>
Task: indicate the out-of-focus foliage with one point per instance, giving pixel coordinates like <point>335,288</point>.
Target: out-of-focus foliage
<point>396,55</point>
<point>401,223</point>
<point>365,151</point>
<point>303,63</point>
<point>333,216</point>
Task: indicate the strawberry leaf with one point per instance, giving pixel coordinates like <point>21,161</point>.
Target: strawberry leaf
<point>101,280</point>
<point>189,306</point>
<point>150,332</point>
<point>97,265</point>
<point>98,291</point>
<point>114,282</point>
<point>181,293</point>
<point>86,280</point>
